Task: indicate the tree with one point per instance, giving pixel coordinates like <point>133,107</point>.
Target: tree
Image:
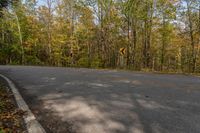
<point>161,35</point>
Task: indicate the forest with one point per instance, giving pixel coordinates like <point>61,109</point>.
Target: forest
<point>142,35</point>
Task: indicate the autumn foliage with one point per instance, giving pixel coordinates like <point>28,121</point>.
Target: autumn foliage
<point>158,35</point>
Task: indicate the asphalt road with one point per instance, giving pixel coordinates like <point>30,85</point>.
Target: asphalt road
<point>104,101</point>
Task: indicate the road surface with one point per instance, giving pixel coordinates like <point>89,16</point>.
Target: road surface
<point>108,101</point>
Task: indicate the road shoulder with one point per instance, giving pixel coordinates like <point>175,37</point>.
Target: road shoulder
<point>32,125</point>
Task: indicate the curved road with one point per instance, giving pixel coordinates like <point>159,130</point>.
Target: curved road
<point>104,101</point>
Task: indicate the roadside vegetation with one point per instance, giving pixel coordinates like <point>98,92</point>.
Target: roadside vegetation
<point>11,118</point>
<point>153,35</point>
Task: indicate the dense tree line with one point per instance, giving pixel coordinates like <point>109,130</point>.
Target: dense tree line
<point>161,35</point>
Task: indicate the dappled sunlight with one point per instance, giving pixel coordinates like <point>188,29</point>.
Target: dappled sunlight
<point>74,83</point>
<point>156,128</point>
<point>116,113</point>
<point>99,85</point>
<point>68,100</point>
<point>49,79</point>
<point>136,82</point>
<point>119,79</point>
<point>53,96</point>
<point>122,104</point>
<point>90,117</point>
<point>96,85</point>
<point>152,104</point>
<point>186,103</point>
<point>152,83</point>
<point>135,130</point>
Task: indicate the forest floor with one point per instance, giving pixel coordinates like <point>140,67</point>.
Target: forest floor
<point>11,118</point>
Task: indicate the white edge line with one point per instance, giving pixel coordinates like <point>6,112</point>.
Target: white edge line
<point>32,125</point>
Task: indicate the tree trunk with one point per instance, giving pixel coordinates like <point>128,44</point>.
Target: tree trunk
<point>49,32</point>
<point>128,45</point>
<point>163,43</point>
<point>20,38</point>
<point>193,58</point>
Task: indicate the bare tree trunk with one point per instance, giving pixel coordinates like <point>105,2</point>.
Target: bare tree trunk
<point>128,45</point>
<point>134,39</point>
<point>89,52</point>
<point>20,38</point>
<point>145,44</point>
<point>49,32</point>
<point>198,47</point>
<point>193,60</point>
<point>163,44</point>
<point>148,29</point>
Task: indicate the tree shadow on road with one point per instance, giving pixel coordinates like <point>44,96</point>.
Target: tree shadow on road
<point>113,103</point>
<point>108,110</point>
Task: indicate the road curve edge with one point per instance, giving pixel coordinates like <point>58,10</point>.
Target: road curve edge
<point>32,125</point>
